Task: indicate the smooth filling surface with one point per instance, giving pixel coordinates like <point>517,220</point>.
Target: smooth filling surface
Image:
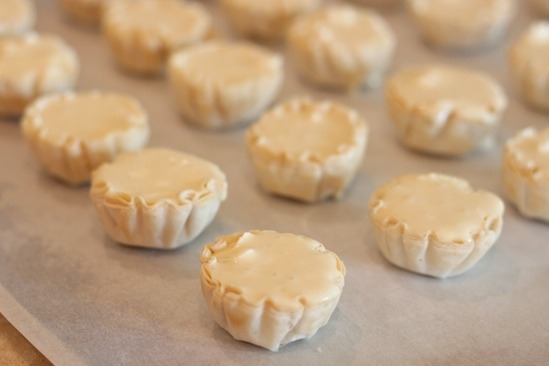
<point>20,56</point>
<point>433,203</point>
<point>227,63</point>
<point>156,174</point>
<point>284,268</point>
<point>284,7</point>
<point>345,26</point>
<point>531,150</point>
<point>535,44</point>
<point>91,116</point>
<point>297,128</point>
<point>432,85</point>
<point>460,9</point>
<point>167,18</point>
<point>13,12</point>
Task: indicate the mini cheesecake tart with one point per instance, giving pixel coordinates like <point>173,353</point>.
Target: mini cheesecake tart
<point>434,224</point>
<point>526,172</point>
<point>529,65</point>
<point>33,65</point>
<point>157,198</point>
<point>17,17</point>
<point>462,24</point>
<point>445,110</point>
<point>307,150</point>
<point>214,94</point>
<point>270,288</point>
<point>71,134</point>
<point>342,47</point>
<point>142,34</point>
<point>265,20</point>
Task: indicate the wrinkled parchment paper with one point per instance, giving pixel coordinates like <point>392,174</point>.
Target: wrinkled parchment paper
<point>82,299</point>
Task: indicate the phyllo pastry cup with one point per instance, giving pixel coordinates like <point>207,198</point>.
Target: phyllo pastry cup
<point>529,64</point>
<point>265,20</point>
<point>342,47</point>
<point>33,65</point>
<point>306,150</point>
<point>71,134</point>
<point>17,17</point>
<point>462,24</point>
<point>434,224</point>
<point>221,84</point>
<point>142,34</point>
<point>157,198</point>
<point>445,110</point>
<point>526,172</point>
<point>270,288</point>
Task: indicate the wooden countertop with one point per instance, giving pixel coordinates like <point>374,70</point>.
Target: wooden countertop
<point>15,350</point>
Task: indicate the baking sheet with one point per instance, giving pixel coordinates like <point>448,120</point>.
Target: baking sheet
<point>82,299</point>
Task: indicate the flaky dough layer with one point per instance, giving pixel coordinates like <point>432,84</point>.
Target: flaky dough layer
<point>307,150</point>
<point>268,296</point>
<point>157,197</point>
<point>434,224</point>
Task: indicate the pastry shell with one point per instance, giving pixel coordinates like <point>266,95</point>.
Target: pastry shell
<point>529,65</point>
<point>450,24</point>
<point>270,321</point>
<point>72,157</point>
<point>217,99</point>
<point>453,119</point>
<point>325,54</point>
<point>33,65</point>
<point>17,17</point>
<point>308,176</point>
<point>526,172</point>
<point>265,20</point>
<point>144,47</point>
<point>432,251</point>
<point>159,222</point>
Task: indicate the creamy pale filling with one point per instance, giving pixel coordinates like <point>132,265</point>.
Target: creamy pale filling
<point>31,54</point>
<point>14,12</point>
<point>284,268</point>
<point>438,84</point>
<point>170,18</point>
<point>90,116</point>
<point>227,63</point>
<point>299,128</point>
<point>530,150</point>
<point>444,206</point>
<point>273,6</point>
<point>534,45</point>
<point>345,26</point>
<point>460,9</point>
<point>156,174</point>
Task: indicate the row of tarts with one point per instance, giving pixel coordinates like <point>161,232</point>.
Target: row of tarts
<point>302,149</point>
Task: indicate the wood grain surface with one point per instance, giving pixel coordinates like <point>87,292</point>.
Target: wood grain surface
<point>15,350</point>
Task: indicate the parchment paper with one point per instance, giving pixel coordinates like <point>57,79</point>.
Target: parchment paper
<point>82,299</point>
